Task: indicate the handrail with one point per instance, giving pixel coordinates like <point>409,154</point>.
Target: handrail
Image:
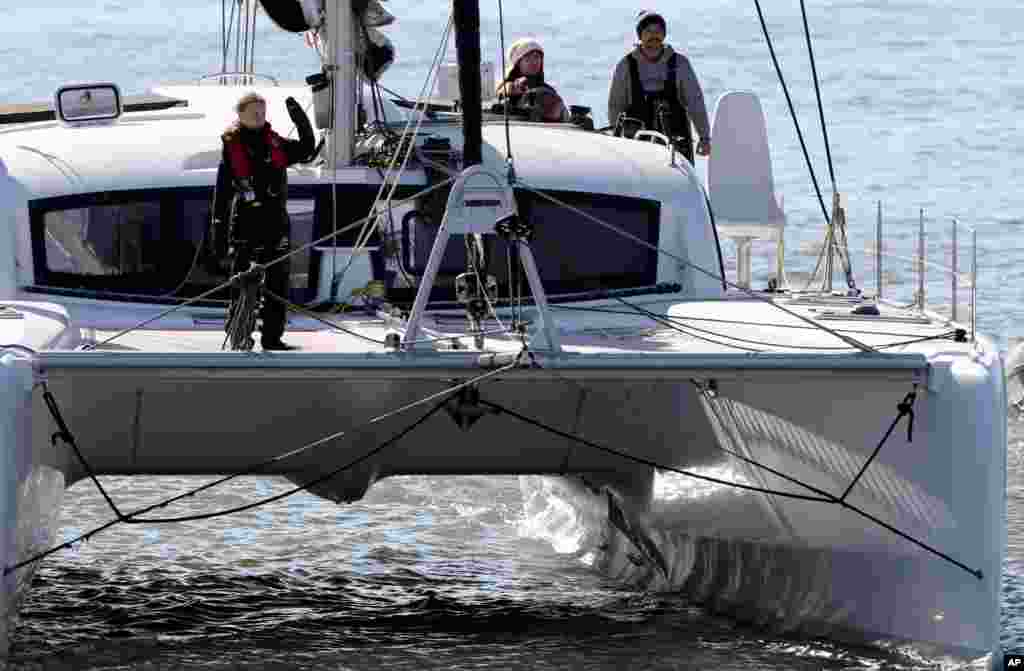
<point>239,78</point>
<point>921,263</point>
<point>651,136</point>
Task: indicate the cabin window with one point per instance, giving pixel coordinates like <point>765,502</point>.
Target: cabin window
<point>147,244</point>
<point>573,253</point>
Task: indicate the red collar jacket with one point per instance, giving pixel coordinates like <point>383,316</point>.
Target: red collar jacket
<point>241,162</point>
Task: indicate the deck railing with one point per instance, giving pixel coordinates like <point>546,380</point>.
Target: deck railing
<point>921,266</point>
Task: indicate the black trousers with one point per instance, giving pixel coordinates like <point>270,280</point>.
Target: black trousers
<point>257,246</point>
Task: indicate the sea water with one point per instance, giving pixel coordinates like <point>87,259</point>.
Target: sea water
<point>921,103</point>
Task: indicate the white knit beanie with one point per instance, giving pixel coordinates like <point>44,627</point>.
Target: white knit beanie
<point>520,48</point>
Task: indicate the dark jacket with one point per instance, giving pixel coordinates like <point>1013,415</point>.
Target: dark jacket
<point>254,165</point>
<point>620,94</point>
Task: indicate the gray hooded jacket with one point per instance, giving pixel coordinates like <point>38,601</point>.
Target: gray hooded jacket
<point>652,77</point>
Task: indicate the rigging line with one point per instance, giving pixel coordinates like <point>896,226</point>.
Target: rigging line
<point>841,501</point>
<point>258,503</point>
<point>250,30</point>
<point>312,315</point>
<point>626,234</point>
<point>64,433</point>
<point>586,215</point>
<point>733,423</point>
<point>429,84</point>
<point>792,112</point>
<point>397,95</point>
<point>279,259</point>
<point>131,518</point>
<point>303,487</point>
<point>252,40</point>
<point>817,94</point>
<point>441,396</point>
<point>977,573</point>
<point>508,135</point>
<point>906,407</point>
<point>333,36</point>
<point>675,327</point>
<point>245,36</point>
<point>367,230</point>
<point>828,498</point>
<point>670,321</point>
<point>642,460</point>
<point>228,32</point>
<point>223,35</point>
<point>939,336</point>
<point>238,38</point>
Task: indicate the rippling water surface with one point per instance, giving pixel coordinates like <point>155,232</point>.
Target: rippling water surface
<point>922,102</point>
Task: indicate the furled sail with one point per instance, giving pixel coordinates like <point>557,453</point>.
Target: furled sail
<point>295,16</point>
<point>377,51</point>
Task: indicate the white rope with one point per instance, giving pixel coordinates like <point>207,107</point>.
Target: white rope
<point>371,223</point>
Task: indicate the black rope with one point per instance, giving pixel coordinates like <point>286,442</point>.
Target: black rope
<point>905,407</point>
<point>133,517</point>
<point>305,486</point>
<point>308,313</point>
<point>940,336</point>
<point>643,243</point>
<point>672,323</point>
<point>792,112</point>
<point>648,462</point>
<point>680,329</point>
<point>817,94</point>
<point>823,498</point>
<point>341,329</point>
<point>64,433</point>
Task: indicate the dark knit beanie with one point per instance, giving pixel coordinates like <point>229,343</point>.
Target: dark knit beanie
<point>645,18</point>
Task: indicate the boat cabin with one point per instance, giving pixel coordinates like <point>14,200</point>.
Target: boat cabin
<point>117,208</point>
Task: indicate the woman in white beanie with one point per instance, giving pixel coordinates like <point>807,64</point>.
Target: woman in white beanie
<point>524,87</point>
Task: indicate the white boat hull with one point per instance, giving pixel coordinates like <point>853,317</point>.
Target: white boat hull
<point>817,566</point>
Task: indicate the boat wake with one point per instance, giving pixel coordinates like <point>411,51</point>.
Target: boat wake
<point>669,548</point>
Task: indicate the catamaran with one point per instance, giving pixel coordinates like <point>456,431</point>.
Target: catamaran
<point>475,293</point>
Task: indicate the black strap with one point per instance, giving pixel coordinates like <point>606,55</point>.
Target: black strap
<point>671,83</point>
<point>634,75</point>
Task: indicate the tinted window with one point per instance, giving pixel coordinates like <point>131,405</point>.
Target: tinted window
<point>573,253</point>
<point>149,243</point>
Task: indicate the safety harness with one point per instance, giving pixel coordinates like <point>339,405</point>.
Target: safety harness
<point>675,123</point>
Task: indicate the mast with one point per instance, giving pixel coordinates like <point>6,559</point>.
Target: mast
<point>341,67</point>
<point>466,14</point>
